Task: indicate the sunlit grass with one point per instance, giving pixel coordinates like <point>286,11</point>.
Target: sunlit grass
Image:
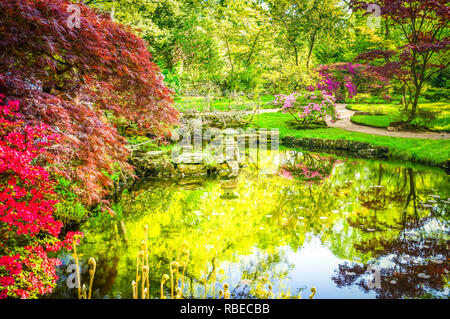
<point>199,103</point>
<point>391,113</point>
<point>426,151</point>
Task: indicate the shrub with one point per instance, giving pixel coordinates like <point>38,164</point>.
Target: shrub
<point>308,107</point>
<point>28,230</point>
<point>68,210</point>
<point>437,94</point>
<point>346,79</point>
<point>425,117</point>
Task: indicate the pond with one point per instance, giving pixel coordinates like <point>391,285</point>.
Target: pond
<point>292,219</point>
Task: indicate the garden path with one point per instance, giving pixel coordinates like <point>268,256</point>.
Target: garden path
<point>347,125</point>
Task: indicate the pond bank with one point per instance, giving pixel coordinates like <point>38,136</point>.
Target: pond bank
<point>424,151</point>
<point>355,149</point>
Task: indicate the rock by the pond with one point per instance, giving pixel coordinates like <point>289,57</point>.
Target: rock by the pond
<point>192,169</point>
<point>189,158</point>
<point>215,119</point>
<point>360,149</point>
<point>155,163</point>
<point>154,154</point>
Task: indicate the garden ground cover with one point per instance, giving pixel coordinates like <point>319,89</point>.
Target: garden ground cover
<point>385,114</point>
<point>434,152</point>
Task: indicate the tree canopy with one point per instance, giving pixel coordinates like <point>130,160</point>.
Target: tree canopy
<point>76,80</point>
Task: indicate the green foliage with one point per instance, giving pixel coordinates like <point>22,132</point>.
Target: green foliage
<point>235,103</point>
<point>288,78</point>
<point>146,144</point>
<point>437,94</point>
<point>69,210</point>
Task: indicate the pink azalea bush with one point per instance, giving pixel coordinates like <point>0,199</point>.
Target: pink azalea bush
<point>28,231</point>
<point>308,107</point>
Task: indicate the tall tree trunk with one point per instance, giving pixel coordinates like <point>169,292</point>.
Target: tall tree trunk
<point>311,46</point>
<point>296,55</point>
<point>415,102</point>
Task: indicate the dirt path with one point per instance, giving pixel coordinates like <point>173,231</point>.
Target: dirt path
<point>348,125</point>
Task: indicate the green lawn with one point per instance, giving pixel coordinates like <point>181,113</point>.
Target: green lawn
<point>199,103</point>
<point>372,120</point>
<point>433,152</point>
<point>391,114</point>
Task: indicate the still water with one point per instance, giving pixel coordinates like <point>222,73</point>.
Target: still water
<point>292,219</point>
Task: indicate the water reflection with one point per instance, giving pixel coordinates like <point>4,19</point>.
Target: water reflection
<point>312,220</point>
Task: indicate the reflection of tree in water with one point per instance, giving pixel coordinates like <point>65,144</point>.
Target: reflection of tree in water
<point>415,261</point>
<point>267,267</point>
<point>308,167</point>
<point>106,273</point>
<point>411,276</point>
<point>271,212</point>
<point>401,187</point>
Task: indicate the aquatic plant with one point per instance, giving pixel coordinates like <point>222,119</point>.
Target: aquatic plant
<point>134,287</point>
<point>226,292</point>
<point>142,270</point>
<point>313,292</point>
<point>173,267</point>
<point>164,279</point>
<point>83,292</point>
<point>184,265</point>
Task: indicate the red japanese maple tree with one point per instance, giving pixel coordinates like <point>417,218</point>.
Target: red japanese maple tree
<point>425,40</point>
<point>75,79</point>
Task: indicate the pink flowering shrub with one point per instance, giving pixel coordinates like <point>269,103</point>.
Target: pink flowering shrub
<point>28,230</point>
<point>308,107</point>
<point>344,80</point>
